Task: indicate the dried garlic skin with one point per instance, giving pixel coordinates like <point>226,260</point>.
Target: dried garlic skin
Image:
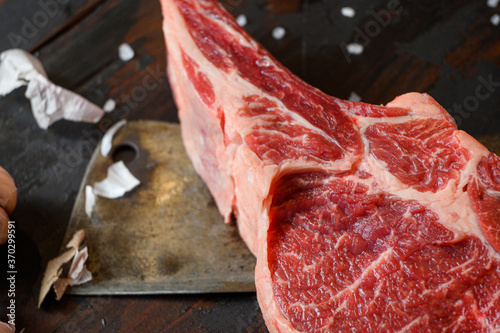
<point>8,191</point>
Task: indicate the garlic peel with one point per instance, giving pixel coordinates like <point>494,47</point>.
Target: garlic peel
<point>107,139</point>
<point>49,102</point>
<point>118,181</point>
<point>54,268</point>
<point>89,200</point>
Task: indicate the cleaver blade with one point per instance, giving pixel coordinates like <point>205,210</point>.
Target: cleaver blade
<point>166,236</point>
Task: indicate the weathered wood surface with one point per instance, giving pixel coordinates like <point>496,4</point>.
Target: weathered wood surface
<point>448,49</point>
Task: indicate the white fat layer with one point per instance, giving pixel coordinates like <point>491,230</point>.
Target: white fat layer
<point>364,122</point>
<point>118,181</point>
<point>49,102</point>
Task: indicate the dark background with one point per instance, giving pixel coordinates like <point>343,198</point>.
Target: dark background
<point>445,48</point>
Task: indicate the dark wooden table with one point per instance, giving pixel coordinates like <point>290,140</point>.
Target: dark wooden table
<point>449,49</point>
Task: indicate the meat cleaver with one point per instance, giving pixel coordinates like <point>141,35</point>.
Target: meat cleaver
<point>166,236</point>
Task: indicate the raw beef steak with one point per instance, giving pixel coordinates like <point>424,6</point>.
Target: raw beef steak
<point>363,218</point>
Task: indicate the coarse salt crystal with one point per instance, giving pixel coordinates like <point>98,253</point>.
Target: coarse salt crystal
<point>279,33</point>
<point>495,19</point>
<point>492,3</point>
<point>348,11</point>
<point>241,20</point>
<point>353,97</point>
<point>125,52</point>
<point>109,106</point>
<point>355,48</point>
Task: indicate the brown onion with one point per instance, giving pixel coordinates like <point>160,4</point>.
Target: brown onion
<point>4,225</point>
<point>6,328</point>
<point>8,191</point>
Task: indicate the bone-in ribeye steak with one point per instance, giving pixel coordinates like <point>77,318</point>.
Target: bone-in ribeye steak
<point>363,218</point>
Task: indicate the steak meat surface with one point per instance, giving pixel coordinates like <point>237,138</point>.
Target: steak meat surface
<point>363,218</point>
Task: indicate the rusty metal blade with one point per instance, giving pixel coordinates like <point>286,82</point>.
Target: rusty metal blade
<point>165,236</point>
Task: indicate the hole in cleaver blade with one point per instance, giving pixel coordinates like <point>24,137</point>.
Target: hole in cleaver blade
<point>166,236</point>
